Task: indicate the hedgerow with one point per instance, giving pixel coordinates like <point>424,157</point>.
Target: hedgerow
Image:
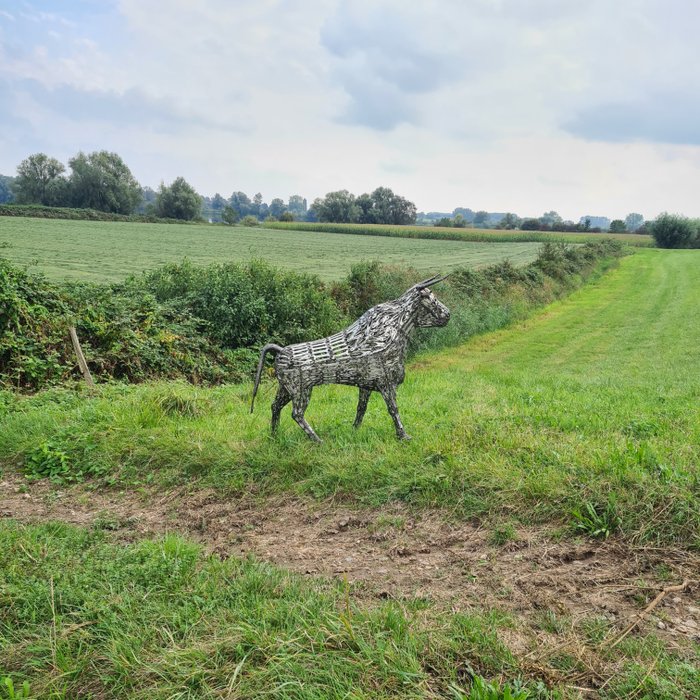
<point>206,324</point>
<point>43,212</point>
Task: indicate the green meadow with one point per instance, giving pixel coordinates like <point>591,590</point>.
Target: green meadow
<point>106,251</point>
<point>583,419</point>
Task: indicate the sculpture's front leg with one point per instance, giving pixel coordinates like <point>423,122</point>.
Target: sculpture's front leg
<point>361,407</point>
<point>389,394</point>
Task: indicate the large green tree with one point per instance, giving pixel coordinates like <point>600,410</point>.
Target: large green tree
<point>40,181</point>
<point>390,208</point>
<point>178,201</point>
<point>337,207</point>
<point>101,180</point>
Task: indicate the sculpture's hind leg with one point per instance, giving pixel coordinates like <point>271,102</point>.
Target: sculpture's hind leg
<point>299,404</point>
<point>389,394</point>
<point>361,407</point>
<point>281,400</point>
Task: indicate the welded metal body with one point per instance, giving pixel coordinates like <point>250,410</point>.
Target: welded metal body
<point>369,354</point>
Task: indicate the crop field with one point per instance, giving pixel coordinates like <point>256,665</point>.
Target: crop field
<point>109,251</point>
<point>538,538</point>
<point>462,234</point>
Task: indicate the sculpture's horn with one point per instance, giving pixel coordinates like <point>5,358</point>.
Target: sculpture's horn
<point>431,281</point>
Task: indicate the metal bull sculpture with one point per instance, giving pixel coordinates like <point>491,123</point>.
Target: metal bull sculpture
<point>369,354</point>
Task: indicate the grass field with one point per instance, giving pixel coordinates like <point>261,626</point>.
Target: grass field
<point>583,419</point>
<point>109,251</point>
<point>462,234</point>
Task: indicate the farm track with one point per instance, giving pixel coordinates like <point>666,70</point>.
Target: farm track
<point>394,553</point>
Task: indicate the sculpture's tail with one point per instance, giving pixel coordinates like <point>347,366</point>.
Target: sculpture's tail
<point>270,347</point>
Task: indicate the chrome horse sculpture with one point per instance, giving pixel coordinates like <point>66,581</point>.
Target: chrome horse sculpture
<point>369,354</point>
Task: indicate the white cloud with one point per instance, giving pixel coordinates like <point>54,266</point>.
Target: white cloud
<point>495,104</point>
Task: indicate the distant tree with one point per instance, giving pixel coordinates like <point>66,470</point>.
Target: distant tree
<point>101,180</point>
<point>530,225</point>
<point>481,217</point>
<point>550,219</point>
<point>365,205</point>
<point>509,221</point>
<point>617,226</point>
<point>276,208</point>
<point>218,204</point>
<point>178,201</point>
<point>256,208</point>
<point>287,216</point>
<point>229,215</point>
<point>297,205</point>
<point>6,191</point>
<point>147,205</point>
<point>337,207</point>
<point>674,231</point>
<point>634,221</point>
<point>445,222</point>
<point>467,213</point>
<point>240,203</point>
<point>40,181</point>
<point>459,221</point>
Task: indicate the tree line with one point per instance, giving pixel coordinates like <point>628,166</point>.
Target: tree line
<point>102,181</point>
<point>549,221</point>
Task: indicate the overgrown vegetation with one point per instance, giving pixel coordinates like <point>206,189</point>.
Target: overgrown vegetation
<point>205,324</point>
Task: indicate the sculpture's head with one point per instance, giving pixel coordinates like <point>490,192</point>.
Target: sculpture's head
<point>430,311</point>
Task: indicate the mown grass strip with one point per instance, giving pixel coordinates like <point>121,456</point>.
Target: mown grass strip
<point>108,251</point>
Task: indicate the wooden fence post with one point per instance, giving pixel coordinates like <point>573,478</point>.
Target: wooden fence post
<point>81,358</point>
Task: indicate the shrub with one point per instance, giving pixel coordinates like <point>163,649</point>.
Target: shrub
<point>249,221</point>
<point>674,231</point>
<point>247,305</point>
<point>371,283</point>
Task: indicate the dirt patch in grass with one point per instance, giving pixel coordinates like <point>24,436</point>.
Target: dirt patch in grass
<point>557,590</point>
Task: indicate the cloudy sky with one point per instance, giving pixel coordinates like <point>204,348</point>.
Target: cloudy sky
<point>505,105</point>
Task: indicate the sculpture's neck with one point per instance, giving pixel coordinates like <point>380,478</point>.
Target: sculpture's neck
<point>404,331</point>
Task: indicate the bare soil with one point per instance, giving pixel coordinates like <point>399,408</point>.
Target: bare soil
<point>398,553</point>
